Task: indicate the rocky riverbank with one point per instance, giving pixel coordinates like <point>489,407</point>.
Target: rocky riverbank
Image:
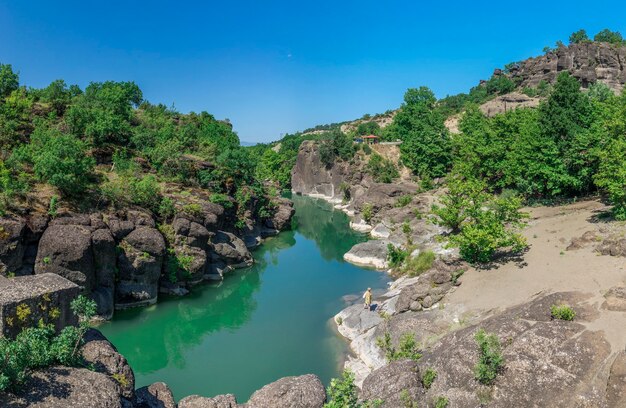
<point>124,258</point>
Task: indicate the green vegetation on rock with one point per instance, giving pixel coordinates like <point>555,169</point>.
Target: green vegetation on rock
<point>490,359</point>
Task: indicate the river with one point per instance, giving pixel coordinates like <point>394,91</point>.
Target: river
<point>259,324</point>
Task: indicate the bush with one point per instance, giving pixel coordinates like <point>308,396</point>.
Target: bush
<point>407,347</point>
<point>343,393</point>
<point>144,192</point>
<point>441,402</point>
<point>61,160</point>
<point>367,212</point>
<point>404,200</point>
<point>395,256</point>
<point>481,224</point>
<point>429,377</point>
<point>381,169</point>
<point>38,347</point>
<point>490,359</point>
<point>562,312</point>
<point>421,263</point>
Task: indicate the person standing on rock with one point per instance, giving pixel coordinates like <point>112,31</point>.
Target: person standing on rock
<point>368,298</point>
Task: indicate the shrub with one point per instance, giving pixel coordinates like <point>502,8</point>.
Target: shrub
<point>61,160</point>
<point>562,312</point>
<point>490,357</point>
<point>481,224</point>
<point>395,256</point>
<point>421,263</point>
<point>367,212</point>
<point>221,199</point>
<point>343,393</point>
<point>404,200</point>
<point>441,402</point>
<point>38,347</point>
<point>407,347</point>
<point>144,192</point>
<point>381,169</point>
<point>53,206</point>
<point>429,377</point>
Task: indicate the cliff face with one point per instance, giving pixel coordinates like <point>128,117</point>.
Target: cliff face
<point>588,62</point>
<point>123,259</point>
<point>311,177</point>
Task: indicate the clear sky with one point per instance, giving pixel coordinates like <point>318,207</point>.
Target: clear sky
<point>273,67</point>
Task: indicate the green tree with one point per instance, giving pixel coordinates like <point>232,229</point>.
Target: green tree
<point>608,36</point>
<point>104,112</point>
<point>611,176</point>
<point>368,128</point>
<point>61,160</point>
<point>426,146</point>
<point>579,37</point>
<point>9,80</point>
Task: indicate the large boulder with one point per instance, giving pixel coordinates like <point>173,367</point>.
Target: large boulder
<point>66,250</point>
<point>395,384</point>
<point>548,363</point>
<point>230,249</point>
<point>140,262</point>
<point>370,253</point>
<point>27,300</point>
<point>104,358</point>
<point>196,401</point>
<point>64,387</point>
<point>305,391</point>
<point>281,219</point>
<point>11,244</point>
<point>156,395</point>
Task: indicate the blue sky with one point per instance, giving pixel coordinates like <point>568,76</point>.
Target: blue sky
<point>280,66</point>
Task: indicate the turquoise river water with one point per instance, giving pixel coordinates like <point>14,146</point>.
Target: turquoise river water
<point>259,324</point>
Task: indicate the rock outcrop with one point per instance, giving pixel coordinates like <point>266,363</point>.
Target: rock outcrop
<point>120,259</point>
<point>27,300</point>
<point>305,391</point>
<point>588,62</point>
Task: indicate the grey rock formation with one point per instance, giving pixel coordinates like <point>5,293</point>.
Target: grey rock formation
<point>12,246</point>
<point>157,395</point>
<point>547,362</point>
<point>140,263</point>
<point>64,387</point>
<point>104,357</point>
<point>281,220</point>
<point>305,391</point>
<point>395,384</point>
<point>588,62</point>
<point>220,401</point>
<point>231,249</point>
<point>311,177</point>
<point>369,253</point>
<point>45,297</point>
<point>66,250</point>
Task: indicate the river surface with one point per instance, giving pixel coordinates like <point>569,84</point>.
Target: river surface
<point>259,324</point>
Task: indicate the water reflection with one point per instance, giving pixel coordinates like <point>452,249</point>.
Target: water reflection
<point>173,326</point>
<point>316,220</point>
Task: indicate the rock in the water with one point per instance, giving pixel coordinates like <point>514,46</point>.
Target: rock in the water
<point>157,395</point>
<point>305,391</point>
<point>232,250</point>
<point>370,253</point>
<point>140,262</point>
<point>64,387</point>
<point>196,401</point>
<point>103,356</point>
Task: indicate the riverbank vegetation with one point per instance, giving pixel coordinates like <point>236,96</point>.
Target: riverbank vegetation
<point>39,347</point>
<point>106,145</point>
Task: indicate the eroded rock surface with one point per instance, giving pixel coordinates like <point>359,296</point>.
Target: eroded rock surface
<point>305,391</point>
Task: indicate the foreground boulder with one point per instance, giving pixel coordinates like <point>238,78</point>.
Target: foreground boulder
<point>27,300</point>
<point>548,363</point>
<point>66,387</point>
<point>104,358</point>
<point>370,253</point>
<point>221,401</point>
<point>157,395</point>
<point>305,391</point>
